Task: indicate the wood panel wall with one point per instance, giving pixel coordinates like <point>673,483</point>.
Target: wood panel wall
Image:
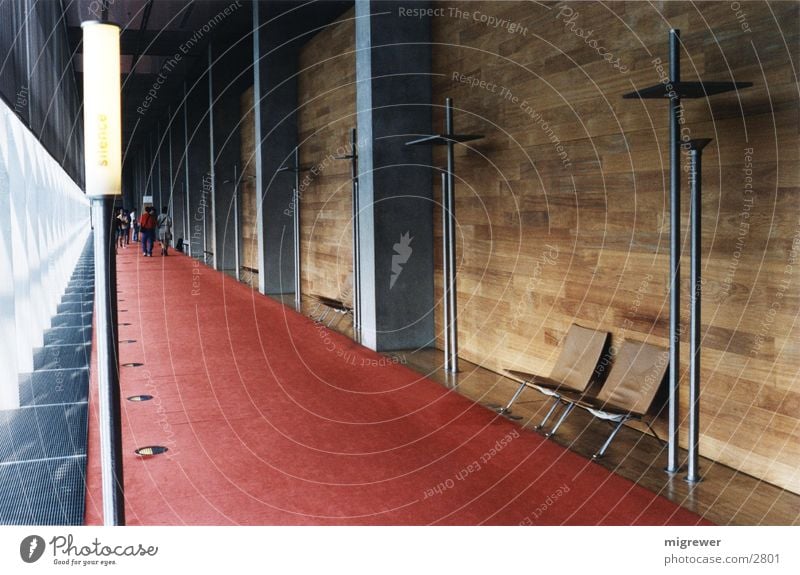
<point>563,208</point>
<point>326,113</point>
<point>248,190</point>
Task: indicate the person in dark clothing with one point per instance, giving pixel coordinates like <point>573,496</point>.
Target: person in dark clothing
<point>147,231</point>
<point>121,227</point>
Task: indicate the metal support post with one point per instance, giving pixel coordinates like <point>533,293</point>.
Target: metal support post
<point>673,466</point>
<point>695,157</point>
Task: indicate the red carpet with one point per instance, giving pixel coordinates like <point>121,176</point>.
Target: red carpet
<point>272,420</point>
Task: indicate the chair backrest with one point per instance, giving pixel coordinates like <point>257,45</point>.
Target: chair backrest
<point>580,351</point>
<point>635,377</point>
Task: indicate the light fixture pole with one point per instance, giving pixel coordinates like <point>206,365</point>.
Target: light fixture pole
<point>103,157</point>
<point>449,292</point>
<point>675,90</point>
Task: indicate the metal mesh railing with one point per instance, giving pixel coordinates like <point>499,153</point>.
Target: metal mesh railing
<point>37,79</point>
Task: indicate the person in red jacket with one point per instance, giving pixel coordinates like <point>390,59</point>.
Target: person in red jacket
<point>147,229</point>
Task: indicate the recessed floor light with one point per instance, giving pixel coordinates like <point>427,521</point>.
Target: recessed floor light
<point>126,324</point>
<point>127,341</point>
<point>151,450</point>
<point>132,364</point>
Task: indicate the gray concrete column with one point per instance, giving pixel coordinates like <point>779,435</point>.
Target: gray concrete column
<point>275,98</point>
<point>393,64</point>
<point>198,165</point>
<point>231,76</point>
<point>178,177</point>
<point>163,158</point>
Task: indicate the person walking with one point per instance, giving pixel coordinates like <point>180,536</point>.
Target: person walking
<point>131,222</point>
<point>147,230</point>
<point>135,224</point>
<point>164,230</point>
<point>122,227</point>
<point>117,225</point>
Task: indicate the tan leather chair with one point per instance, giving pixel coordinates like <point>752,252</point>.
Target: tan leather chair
<point>629,391</point>
<point>580,352</point>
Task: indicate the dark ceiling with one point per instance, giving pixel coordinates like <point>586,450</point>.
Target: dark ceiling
<point>154,31</point>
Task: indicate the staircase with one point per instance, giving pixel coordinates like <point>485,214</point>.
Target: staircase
<point>43,442</point>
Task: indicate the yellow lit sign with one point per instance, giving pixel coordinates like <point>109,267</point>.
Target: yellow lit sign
<point>102,131</point>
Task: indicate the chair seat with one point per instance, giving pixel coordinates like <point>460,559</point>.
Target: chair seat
<point>598,407</point>
<point>608,416</point>
<point>542,384</point>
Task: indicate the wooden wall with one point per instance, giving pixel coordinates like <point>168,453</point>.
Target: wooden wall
<point>326,113</point>
<point>563,207</point>
<point>248,190</point>
<point>553,235</point>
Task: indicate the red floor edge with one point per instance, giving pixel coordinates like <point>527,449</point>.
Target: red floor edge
<point>270,419</point>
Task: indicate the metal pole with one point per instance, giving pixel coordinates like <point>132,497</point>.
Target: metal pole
<point>257,157</point>
<point>212,169</point>
<point>356,265</point>
<point>695,154</point>
<point>157,163</point>
<point>450,245</point>
<point>356,239</point>
<point>105,289</point>
<point>171,201</point>
<point>445,276</point>
<point>296,222</point>
<point>674,255</point>
<point>236,222</point>
<point>188,210</point>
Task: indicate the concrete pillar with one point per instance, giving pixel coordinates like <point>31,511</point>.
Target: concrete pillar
<point>230,75</point>
<point>170,175</point>
<point>165,191</point>
<point>198,165</point>
<point>150,168</point>
<point>275,100</point>
<point>178,177</point>
<point>393,64</point>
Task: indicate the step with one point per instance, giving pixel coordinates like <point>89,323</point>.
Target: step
<point>75,306</point>
<point>71,319</point>
<point>42,432</point>
<point>48,492</point>
<point>54,386</point>
<point>78,290</point>
<point>73,297</point>
<point>67,335</point>
<point>62,356</point>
